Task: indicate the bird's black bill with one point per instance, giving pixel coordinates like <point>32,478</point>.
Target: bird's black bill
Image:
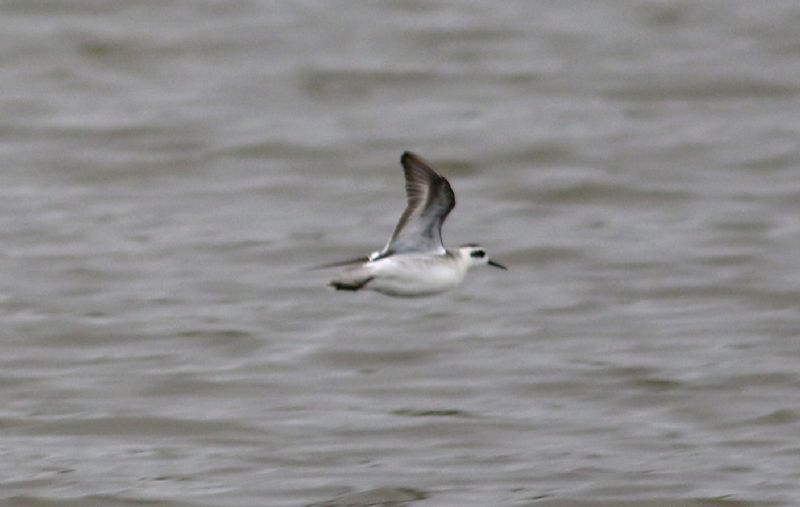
<point>497,265</point>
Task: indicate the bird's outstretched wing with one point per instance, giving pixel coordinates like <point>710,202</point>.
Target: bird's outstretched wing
<point>338,264</point>
<point>430,200</point>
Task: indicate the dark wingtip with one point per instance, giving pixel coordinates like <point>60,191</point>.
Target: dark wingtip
<point>413,162</point>
<point>409,156</point>
<point>337,264</point>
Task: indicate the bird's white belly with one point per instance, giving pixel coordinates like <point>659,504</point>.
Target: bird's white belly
<point>398,276</point>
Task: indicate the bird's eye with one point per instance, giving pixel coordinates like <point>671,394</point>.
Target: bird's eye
<point>480,254</point>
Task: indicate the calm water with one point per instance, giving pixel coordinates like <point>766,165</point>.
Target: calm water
<point>168,169</point>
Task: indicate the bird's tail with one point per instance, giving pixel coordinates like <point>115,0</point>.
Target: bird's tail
<point>354,278</point>
<point>352,285</point>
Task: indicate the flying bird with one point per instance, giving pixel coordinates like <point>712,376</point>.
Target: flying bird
<point>414,262</point>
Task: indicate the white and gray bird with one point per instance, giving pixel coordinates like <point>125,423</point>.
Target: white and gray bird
<point>414,261</point>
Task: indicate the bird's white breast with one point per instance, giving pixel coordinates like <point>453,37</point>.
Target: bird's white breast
<point>416,275</point>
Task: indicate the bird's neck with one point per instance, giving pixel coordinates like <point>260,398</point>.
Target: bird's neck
<point>461,257</point>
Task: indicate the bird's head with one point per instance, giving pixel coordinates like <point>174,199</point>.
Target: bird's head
<point>476,256</point>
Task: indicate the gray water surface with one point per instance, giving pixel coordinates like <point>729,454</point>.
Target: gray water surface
<point>169,169</point>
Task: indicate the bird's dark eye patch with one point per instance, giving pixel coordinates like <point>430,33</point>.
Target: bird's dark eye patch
<point>480,254</point>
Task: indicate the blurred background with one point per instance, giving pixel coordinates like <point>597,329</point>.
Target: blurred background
<point>170,168</point>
